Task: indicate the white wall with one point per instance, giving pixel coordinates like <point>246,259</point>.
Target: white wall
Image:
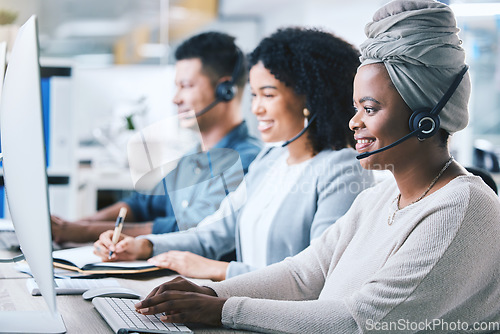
<point>347,19</point>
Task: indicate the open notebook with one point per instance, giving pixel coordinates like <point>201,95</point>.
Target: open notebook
<point>83,260</point>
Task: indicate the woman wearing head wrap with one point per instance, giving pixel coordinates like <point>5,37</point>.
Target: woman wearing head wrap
<point>416,253</point>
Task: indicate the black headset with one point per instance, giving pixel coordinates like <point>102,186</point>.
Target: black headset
<point>226,90</point>
<point>427,119</point>
<point>424,122</point>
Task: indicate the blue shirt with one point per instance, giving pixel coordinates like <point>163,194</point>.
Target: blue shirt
<point>196,187</point>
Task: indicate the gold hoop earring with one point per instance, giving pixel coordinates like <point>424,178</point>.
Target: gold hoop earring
<point>306,113</point>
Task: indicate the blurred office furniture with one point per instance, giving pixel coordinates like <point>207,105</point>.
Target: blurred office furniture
<point>55,85</point>
<point>90,112</point>
<point>486,162</point>
<point>106,99</point>
<point>485,156</point>
<point>479,25</point>
<point>100,187</point>
<point>109,104</point>
<point>485,175</point>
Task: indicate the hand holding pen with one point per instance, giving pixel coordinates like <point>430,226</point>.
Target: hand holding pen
<point>118,228</point>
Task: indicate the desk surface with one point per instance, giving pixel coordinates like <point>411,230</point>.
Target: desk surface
<point>78,314</point>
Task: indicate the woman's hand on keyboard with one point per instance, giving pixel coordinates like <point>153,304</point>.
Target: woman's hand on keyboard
<point>183,301</point>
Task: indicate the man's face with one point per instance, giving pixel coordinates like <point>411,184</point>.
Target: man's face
<point>194,92</point>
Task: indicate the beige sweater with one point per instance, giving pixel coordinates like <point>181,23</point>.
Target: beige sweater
<point>436,268</point>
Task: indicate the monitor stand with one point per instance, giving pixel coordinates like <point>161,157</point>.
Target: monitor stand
<point>31,322</point>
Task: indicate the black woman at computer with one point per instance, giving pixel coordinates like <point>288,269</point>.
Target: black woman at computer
<point>416,253</point>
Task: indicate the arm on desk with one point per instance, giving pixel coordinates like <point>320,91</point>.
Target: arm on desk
<point>89,229</point>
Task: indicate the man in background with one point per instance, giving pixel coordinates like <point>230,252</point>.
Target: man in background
<point>210,79</point>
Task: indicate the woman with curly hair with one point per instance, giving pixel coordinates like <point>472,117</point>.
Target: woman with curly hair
<point>301,83</point>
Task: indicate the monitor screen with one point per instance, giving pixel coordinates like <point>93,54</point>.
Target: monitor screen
<point>25,177</point>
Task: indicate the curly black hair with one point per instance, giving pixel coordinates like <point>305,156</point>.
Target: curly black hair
<point>320,66</point>
<point>218,54</point>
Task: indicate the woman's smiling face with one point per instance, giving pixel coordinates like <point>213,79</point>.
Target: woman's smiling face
<point>277,107</point>
<point>381,117</point>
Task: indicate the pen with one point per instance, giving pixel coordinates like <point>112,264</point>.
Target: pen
<point>118,228</point>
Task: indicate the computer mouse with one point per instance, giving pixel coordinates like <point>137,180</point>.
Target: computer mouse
<point>111,291</point>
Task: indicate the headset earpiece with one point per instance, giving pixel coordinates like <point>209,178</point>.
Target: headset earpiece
<point>426,119</point>
<point>427,122</point>
<point>226,90</point>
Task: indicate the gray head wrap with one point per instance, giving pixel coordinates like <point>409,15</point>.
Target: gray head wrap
<point>418,43</point>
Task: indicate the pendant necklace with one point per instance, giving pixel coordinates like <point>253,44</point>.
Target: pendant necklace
<point>390,221</point>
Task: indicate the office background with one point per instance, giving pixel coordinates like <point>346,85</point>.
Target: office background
<point>106,62</point>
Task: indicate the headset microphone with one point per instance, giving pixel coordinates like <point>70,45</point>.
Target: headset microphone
<point>424,123</point>
<point>207,108</point>
<point>226,90</point>
<point>301,132</point>
<point>397,142</point>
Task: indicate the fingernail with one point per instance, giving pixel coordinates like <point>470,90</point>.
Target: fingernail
<point>143,310</point>
<point>164,318</point>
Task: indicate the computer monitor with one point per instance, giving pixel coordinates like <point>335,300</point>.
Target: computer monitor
<point>25,178</point>
<point>3,54</point>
